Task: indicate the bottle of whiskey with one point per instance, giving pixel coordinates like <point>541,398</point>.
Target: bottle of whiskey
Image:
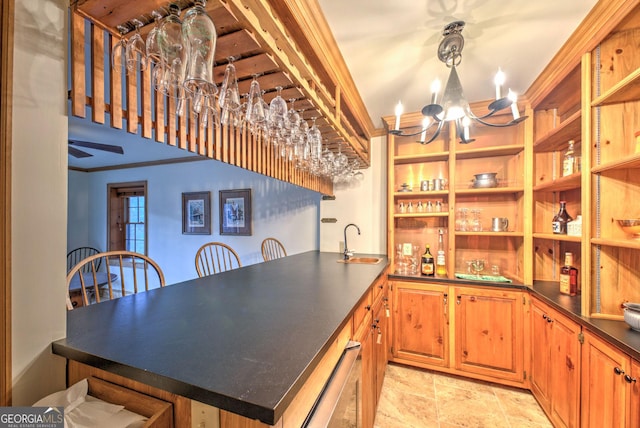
<point>569,160</point>
<point>569,276</point>
<point>441,262</point>
<point>560,220</point>
<point>428,266</point>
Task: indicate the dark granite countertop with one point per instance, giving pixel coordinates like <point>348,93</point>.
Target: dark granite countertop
<point>244,340</point>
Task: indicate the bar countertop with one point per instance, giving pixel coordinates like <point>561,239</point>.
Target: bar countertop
<point>244,340</point>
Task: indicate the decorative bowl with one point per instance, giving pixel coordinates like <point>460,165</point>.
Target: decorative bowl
<point>630,226</point>
<point>485,180</point>
<point>632,315</point>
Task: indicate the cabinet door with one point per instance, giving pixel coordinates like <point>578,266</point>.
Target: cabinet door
<point>367,396</point>
<point>540,352</point>
<point>565,370</point>
<point>603,386</point>
<point>380,345</point>
<point>420,323</point>
<point>489,333</point>
<point>634,397</point>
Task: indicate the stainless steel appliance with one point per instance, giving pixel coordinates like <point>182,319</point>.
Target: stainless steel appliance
<point>339,404</point>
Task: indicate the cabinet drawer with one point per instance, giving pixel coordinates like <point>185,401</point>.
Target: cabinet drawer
<point>361,311</point>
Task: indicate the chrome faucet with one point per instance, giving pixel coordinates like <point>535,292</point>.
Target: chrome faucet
<point>348,253</point>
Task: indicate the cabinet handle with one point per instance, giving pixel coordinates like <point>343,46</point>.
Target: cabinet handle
<point>368,307</point>
<point>458,299</point>
<point>544,316</point>
<point>629,379</point>
<point>549,320</point>
<point>618,370</point>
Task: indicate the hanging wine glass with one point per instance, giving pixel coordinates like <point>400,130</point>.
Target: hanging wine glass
<point>151,45</point>
<point>293,117</point>
<point>229,96</point>
<point>136,50</point>
<point>255,112</point>
<point>118,54</point>
<point>277,110</point>
<point>199,36</point>
<point>173,55</point>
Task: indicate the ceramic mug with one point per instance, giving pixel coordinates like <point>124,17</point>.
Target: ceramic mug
<point>499,224</point>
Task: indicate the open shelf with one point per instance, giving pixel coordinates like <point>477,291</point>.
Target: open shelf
<point>629,162</point>
<point>431,157</point>
<point>627,89</point>
<point>410,195</point>
<point>555,237</point>
<point>419,215</point>
<point>485,152</point>
<point>489,191</point>
<point>622,243</point>
<point>490,233</point>
<point>557,138</point>
<point>569,182</point>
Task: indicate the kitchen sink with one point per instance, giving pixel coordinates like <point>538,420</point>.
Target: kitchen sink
<point>362,260</point>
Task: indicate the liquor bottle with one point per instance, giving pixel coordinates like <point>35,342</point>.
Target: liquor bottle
<point>441,263</point>
<point>569,276</point>
<point>428,266</point>
<point>560,220</point>
<point>569,160</point>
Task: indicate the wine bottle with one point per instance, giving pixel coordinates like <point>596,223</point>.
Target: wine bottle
<point>560,220</point>
<point>569,160</point>
<point>428,267</point>
<point>441,263</point>
<point>569,276</point>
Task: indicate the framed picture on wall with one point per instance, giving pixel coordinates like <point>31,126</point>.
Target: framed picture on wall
<point>235,212</point>
<point>196,213</point>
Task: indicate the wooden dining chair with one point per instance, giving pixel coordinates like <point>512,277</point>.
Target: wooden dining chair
<point>125,273</point>
<point>77,255</point>
<point>272,249</point>
<point>216,257</point>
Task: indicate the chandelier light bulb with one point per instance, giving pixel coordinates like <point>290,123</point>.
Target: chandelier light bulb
<point>514,104</point>
<point>435,89</point>
<point>398,112</point>
<point>499,81</point>
<point>465,124</point>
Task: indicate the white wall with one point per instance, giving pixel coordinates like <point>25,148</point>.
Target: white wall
<point>39,192</point>
<point>362,203</point>
<point>281,210</point>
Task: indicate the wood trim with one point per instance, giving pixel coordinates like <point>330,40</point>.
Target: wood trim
<point>6,103</point>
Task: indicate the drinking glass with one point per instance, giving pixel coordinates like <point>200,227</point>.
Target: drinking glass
<point>136,50</point>
<point>478,266</point>
<point>152,48</point>
<point>401,262</point>
<point>173,55</point>
<point>229,97</point>
<point>476,221</point>
<point>277,110</point>
<point>118,54</point>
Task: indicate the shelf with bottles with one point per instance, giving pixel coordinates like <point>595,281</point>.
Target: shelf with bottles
<point>501,256</point>
<point>558,170</point>
<point>547,204</point>
<point>549,256</point>
<point>411,242</point>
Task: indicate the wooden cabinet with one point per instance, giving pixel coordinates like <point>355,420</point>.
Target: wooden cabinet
<point>421,323</point>
<point>487,329</point>
<point>555,364</point>
<point>416,215</point>
<point>371,330</point>
<point>605,392</point>
<point>634,397</point>
<point>489,336</point>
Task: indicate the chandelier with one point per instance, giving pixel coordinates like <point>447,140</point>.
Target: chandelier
<point>454,107</point>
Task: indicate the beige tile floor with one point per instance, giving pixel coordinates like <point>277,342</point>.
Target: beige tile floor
<point>416,398</point>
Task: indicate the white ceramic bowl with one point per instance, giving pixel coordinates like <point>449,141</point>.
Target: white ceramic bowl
<point>632,315</point>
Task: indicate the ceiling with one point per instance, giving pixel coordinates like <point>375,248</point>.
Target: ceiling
<point>390,49</point>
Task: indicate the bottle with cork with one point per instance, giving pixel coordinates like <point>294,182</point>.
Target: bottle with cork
<point>569,280</point>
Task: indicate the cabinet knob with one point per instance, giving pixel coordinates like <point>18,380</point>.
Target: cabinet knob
<point>549,320</point>
<point>368,307</point>
<point>458,299</point>
<point>618,370</point>
<point>629,379</point>
<point>544,316</point>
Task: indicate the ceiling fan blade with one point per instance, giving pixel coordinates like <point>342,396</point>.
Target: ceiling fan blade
<point>98,146</point>
<point>76,153</point>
